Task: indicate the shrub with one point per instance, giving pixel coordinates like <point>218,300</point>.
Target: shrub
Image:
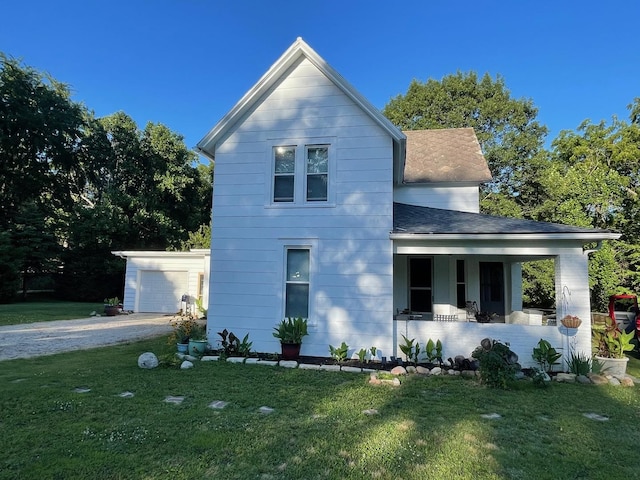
<point>498,364</point>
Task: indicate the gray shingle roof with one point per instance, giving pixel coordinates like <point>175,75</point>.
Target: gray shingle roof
<point>426,220</point>
<point>444,155</point>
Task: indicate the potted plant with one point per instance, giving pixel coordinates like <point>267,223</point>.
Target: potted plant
<point>184,327</point>
<point>609,344</point>
<point>290,332</point>
<point>198,339</point>
<point>112,306</point>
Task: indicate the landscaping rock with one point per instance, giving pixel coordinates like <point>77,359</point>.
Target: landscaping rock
<point>147,360</point>
<point>308,366</point>
<point>330,368</point>
<point>266,410</point>
<point>218,404</point>
<point>422,370</point>
<point>235,359</point>
<point>269,363</point>
<point>370,411</point>
<point>126,395</point>
<point>209,358</point>
<point>412,369</point>
<point>614,381</point>
<point>566,377</point>
<point>374,380</point>
<point>468,374</point>
<point>251,361</point>
<point>186,365</point>
<point>598,379</point>
<point>436,371</point>
<point>398,371</point>
<point>191,358</point>
<point>583,379</point>
<point>627,382</point>
<point>352,369</point>
<point>289,364</point>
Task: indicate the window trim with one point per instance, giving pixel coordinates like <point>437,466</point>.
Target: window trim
<point>301,146</point>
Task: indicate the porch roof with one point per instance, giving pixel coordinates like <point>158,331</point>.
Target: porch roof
<point>411,221</point>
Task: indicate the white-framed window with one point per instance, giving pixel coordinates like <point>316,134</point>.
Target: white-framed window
<point>420,284</point>
<point>284,170</point>
<point>317,160</point>
<point>301,173</point>
<point>297,282</point>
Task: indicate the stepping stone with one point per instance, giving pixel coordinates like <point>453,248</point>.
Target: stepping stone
<point>218,404</point>
<point>175,400</point>
<point>82,390</point>
<point>491,416</point>
<point>370,411</point>
<point>595,416</point>
<point>126,395</point>
<point>266,410</point>
<point>18,380</point>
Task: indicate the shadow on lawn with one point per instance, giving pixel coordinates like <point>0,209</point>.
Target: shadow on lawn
<point>324,424</point>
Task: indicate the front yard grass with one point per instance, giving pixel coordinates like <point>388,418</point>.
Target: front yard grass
<point>44,311</point>
<point>426,428</point>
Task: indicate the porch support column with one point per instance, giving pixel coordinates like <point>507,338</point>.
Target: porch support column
<point>572,298</point>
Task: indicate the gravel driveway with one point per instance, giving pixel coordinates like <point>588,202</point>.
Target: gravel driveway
<point>46,338</point>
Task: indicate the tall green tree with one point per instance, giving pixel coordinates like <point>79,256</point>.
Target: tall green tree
<point>40,134</point>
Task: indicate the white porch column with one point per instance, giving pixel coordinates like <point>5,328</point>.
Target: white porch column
<point>516,287</point>
<point>572,296</point>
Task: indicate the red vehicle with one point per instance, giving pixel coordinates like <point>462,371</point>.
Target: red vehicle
<point>623,308</point>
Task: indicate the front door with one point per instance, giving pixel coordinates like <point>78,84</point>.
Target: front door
<point>492,287</point>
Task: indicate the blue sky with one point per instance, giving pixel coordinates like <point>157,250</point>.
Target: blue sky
<point>185,63</point>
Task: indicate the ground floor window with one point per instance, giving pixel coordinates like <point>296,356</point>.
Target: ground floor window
<point>297,283</point>
<point>420,284</point>
<point>200,286</point>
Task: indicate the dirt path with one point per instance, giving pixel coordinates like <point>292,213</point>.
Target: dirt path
<point>46,338</point>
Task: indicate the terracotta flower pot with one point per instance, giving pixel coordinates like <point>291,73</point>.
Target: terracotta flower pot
<point>290,351</point>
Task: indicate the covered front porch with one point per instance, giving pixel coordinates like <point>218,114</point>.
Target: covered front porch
<point>446,262</point>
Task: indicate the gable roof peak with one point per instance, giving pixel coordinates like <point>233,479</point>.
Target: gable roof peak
<point>297,49</point>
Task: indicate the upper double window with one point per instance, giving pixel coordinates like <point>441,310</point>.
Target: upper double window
<point>300,173</point>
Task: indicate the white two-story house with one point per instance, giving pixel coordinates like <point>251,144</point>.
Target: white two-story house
<point>324,209</point>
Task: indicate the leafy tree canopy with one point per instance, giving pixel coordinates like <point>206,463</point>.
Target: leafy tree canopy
<point>507,129</point>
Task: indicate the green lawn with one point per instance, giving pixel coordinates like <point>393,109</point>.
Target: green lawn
<point>44,311</point>
<point>426,428</point>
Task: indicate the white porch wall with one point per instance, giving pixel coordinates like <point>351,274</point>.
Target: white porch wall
<point>461,338</point>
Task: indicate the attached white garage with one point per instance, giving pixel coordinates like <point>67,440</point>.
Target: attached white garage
<point>155,282</point>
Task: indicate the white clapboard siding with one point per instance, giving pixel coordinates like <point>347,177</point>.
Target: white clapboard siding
<point>460,198</point>
<point>351,254</point>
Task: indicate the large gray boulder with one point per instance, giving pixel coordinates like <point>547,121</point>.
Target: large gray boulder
<point>147,360</point>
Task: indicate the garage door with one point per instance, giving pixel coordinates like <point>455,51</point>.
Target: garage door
<point>160,292</point>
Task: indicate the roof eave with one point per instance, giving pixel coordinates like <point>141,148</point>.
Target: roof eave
<point>576,236</point>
